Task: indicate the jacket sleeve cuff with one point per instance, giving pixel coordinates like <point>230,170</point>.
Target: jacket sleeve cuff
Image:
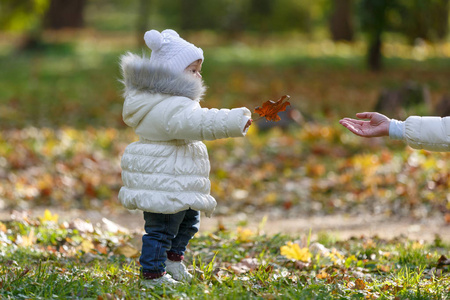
<point>240,116</point>
<point>397,130</point>
<point>244,123</point>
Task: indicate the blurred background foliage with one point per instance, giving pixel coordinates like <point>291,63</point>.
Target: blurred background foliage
<point>61,102</point>
<point>338,19</point>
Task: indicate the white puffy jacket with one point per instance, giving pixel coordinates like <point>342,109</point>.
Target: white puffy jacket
<point>167,170</point>
<point>429,133</point>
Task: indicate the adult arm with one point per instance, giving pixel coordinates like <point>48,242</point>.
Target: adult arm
<point>428,133</point>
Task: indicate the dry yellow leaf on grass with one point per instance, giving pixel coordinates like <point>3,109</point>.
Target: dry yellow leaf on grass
<point>2,227</point>
<point>244,234</point>
<point>87,246</point>
<point>49,217</point>
<point>360,284</point>
<point>293,251</point>
<point>127,251</point>
<point>27,240</point>
<point>322,275</point>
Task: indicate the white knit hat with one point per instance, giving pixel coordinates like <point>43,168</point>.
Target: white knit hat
<point>171,51</point>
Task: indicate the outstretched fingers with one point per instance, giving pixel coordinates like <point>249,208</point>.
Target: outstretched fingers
<point>352,126</point>
<point>364,115</point>
<point>352,121</point>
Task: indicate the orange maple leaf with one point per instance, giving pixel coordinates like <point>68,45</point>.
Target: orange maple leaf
<point>270,109</point>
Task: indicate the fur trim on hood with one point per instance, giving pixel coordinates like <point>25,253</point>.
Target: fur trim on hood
<point>141,75</point>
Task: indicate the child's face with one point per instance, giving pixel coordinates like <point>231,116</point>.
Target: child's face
<point>195,68</point>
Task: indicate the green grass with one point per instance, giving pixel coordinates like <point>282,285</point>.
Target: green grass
<point>33,266</point>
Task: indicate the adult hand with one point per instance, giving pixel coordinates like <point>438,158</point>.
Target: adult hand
<point>377,124</point>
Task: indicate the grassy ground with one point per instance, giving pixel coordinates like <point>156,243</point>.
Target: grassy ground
<point>46,259</point>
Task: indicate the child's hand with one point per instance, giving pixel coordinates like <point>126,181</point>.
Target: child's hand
<point>249,122</point>
<point>378,124</point>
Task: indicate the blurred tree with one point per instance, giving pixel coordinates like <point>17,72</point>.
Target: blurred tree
<point>189,14</point>
<point>373,16</point>
<point>442,19</point>
<point>261,10</point>
<point>234,20</point>
<point>293,15</point>
<point>23,16</point>
<point>65,14</point>
<point>234,17</point>
<point>425,19</point>
<point>341,26</point>
<point>185,15</point>
<point>143,19</point>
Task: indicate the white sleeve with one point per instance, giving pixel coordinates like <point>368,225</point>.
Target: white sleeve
<point>190,121</point>
<point>396,129</point>
<point>429,133</point>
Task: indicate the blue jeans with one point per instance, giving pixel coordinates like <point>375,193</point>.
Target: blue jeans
<point>166,233</point>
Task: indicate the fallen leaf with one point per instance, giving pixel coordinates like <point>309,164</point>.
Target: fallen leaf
<point>322,275</point>
<point>82,226</point>
<point>244,235</point>
<point>2,227</point>
<point>87,246</point>
<point>443,261</point>
<point>27,240</point>
<point>221,226</point>
<point>245,265</point>
<point>112,227</point>
<point>270,109</point>
<point>447,218</point>
<point>293,251</point>
<point>384,268</point>
<point>49,217</point>
<point>360,284</point>
<point>127,251</point>
<point>252,263</point>
<point>214,237</point>
<point>101,249</point>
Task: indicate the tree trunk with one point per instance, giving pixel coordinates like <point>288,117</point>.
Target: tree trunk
<point>441,19</point>
<point>373,17</point>
<point>261,10</point>
<point>143,20</point>
<point>341,21</point>
<point>234,20</point>
<point>65,14</point>
<point>374,53</point>
<point>188,11</point>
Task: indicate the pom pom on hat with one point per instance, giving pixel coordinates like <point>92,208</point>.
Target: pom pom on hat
<point>153,39</point>
<point>171,51</point>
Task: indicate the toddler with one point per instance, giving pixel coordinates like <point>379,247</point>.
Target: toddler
<point>166,172</point>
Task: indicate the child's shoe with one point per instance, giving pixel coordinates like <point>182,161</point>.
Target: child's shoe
<point>166,280</point>
<point>178,270</point>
